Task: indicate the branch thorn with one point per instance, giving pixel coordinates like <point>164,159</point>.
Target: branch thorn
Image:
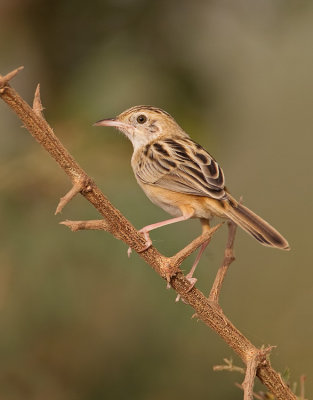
<point>76,188</point>
<point>4,80</point>
<point>37,104</point>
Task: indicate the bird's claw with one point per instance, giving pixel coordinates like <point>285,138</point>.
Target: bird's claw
<point>129,252</point>
<point>192,280</point>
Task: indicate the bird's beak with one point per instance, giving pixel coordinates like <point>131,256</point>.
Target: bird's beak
<point>111,122</point>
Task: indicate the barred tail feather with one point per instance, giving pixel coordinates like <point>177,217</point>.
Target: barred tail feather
<point>256,226</point>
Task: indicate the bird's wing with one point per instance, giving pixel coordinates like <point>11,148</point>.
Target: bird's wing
<point>181,165</point>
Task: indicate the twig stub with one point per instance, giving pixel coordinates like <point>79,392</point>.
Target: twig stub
<point>80,185</point>
<point>85,225</point>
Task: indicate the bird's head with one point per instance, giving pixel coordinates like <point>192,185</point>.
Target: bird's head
<point>143,124</point>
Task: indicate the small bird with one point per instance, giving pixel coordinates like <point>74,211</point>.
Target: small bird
<point>180,176</point>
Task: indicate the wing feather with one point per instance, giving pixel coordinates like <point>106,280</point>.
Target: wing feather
<point>181,165</point>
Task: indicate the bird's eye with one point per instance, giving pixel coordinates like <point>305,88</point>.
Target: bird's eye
<point>141,119</point>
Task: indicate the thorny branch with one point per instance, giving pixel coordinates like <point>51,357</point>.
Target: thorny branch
<point>229,366</point>
<point>250,372</point>
<point>254,362</point>
<point>121,228</point>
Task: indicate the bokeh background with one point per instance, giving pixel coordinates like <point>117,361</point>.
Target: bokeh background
<point>78,320</point>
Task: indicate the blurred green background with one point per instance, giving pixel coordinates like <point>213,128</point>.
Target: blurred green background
<point>78,320</point>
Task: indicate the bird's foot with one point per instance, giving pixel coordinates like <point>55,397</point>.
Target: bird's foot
<point>147,244</point>
<point>192,281</point>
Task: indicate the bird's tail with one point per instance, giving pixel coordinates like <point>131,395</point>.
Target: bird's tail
<point>255,226</point>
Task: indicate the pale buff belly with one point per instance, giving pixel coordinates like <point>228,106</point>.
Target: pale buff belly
<point>174,202</point>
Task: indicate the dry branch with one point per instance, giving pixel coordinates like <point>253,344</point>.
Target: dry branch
<point>255,395</point>
<point>97,224</point>
<point>122,229</point>
<point>228,259</point>
<point>228,366</point>
<point>248,383</point>
<point>302,387</point>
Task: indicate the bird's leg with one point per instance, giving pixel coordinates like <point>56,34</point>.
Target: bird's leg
<point>187,213</point>
<point>205,227</point>
<point>146,229</point>
<point>189,276</point>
